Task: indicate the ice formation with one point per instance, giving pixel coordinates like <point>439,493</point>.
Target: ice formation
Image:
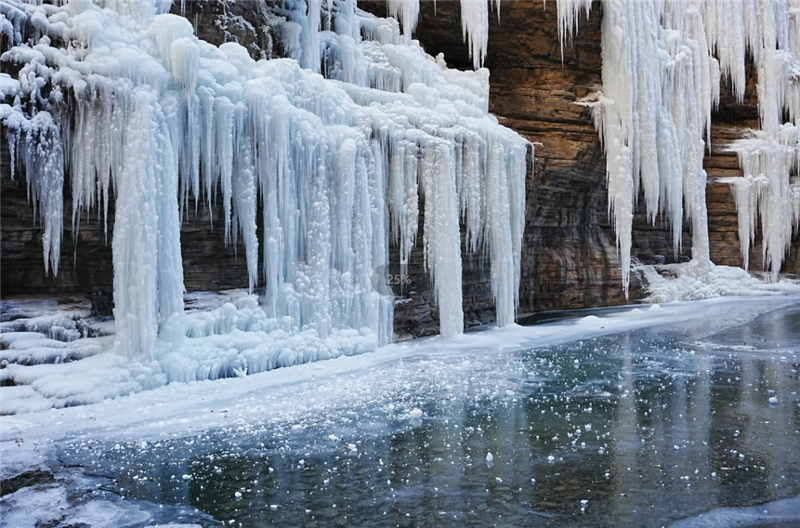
<point>687,282</point>
<point>768,191</point>
<point>662,64</point>
<point>652,114</point>
<point>125,97</point>
<point>770,158</point>
<point>338,163</point>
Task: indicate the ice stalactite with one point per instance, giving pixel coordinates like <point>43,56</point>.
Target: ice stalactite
<point>505,214</point>
<point>792,98</point>
<point>767,192</point>
<point>406,12</point>
<point>652,115</point>
<point>568,16</point>
<point>770,157</point>
<point>42,153</point>
<point>335,166</point>
<point>662,64</point>
<point>746,201</point>
<point>475,29</point>
<point>726,28</point>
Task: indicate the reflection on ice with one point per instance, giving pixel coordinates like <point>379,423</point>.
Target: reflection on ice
<point>646,426</point>
<point>777,514</point>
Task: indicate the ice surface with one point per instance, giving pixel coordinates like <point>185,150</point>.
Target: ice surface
<point>49,504</point>
<point>781,512</point>
<point>139,106</point>
<point>22,399</point>
<point>236,340</point>
<point>29,508</point>
<point>471,381</point>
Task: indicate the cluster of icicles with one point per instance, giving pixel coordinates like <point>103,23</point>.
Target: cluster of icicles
<point>133,104</point>
<point>662,66</point>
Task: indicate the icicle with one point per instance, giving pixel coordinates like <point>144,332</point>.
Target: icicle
<point>568,15</point>
<point>740,188</point>
<point>725,27</point>
<point>405,11</point>
<point>659,86</point>
<point>770,156</point>
<point>245,191</point>
<point>311,56</point>
<point>766,191</point>
<point>442,241</point>
<point>44,163</point>
<point>475,29</point>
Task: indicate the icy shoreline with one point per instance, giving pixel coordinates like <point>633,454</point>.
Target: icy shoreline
<point>59,355</point>
<point>293,397</point>
<point>185,408</point>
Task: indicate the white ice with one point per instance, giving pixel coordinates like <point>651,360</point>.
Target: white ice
<point>335,165</point>
<point>689,281</point>
<point>662,67</point>
<point>185,408</point>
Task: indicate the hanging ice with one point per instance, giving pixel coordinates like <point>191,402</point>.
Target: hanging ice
<point>660,82</point>
<point>770,158</point>
<point>652,114</point>
<point>334,166</point>
<point>767,192</point>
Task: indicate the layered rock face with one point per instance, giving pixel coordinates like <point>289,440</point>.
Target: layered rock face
<point>569,255</point>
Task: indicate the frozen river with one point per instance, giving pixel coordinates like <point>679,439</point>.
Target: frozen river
<point>685,414</point>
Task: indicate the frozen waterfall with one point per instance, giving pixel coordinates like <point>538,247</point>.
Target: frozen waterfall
<point>662,65</point>
<point>123,96</point>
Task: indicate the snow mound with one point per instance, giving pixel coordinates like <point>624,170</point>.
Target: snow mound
<point>689,281</point>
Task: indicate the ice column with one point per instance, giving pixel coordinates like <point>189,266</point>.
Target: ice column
<point>148,273</point>
<point>442,240</point>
